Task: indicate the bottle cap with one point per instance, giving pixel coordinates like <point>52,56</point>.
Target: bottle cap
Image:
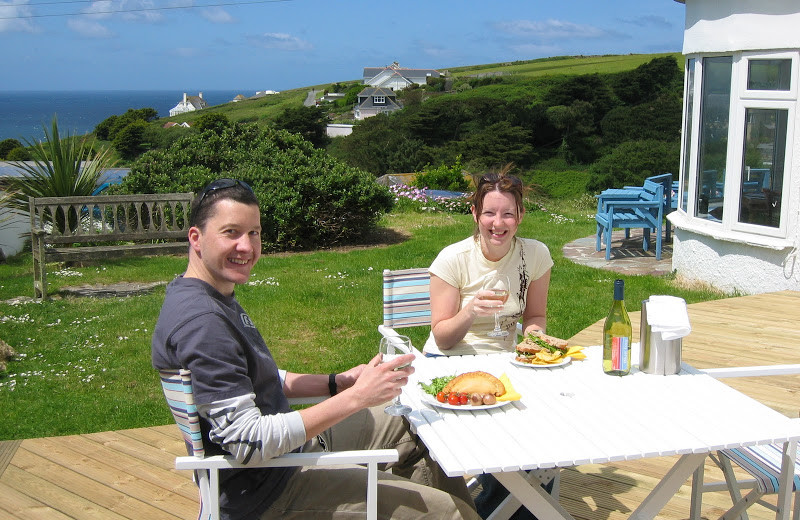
<point>619,289</point>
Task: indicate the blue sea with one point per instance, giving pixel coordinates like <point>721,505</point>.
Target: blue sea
<point>22,114</point>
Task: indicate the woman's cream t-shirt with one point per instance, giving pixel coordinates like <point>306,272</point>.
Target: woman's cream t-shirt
<point>463,266</point>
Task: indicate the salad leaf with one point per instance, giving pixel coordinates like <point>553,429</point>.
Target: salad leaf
<point>436,385</point>
<point>542,343</point>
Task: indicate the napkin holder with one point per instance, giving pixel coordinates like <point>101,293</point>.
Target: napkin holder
<point>657,355</point>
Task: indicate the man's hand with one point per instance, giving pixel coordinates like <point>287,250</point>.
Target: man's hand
<point>345,380</point>
<point>381,382</point>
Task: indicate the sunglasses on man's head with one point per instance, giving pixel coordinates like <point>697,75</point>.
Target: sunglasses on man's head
<point>222,184</point>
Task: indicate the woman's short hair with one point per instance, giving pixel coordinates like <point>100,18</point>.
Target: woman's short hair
<point>501,181</point>
<point>220,189</point>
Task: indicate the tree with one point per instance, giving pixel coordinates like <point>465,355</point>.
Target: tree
<point>61,168</point>
<point>129,141</point>
<point>6,145</point>
<point>308,199</point>
<point>213,121</point>
<point>309,122</point>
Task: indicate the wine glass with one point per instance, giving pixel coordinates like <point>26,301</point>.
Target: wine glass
<point>390,348</point>
<point>498,285</point>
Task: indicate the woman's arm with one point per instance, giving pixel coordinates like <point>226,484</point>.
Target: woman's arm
<point>535,315</point>
<point>450,324</point>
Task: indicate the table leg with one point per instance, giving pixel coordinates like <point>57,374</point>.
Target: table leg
<point>533,496</point>
<point>669,485</point>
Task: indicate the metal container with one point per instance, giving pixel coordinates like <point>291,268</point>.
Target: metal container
<point>657,355</point>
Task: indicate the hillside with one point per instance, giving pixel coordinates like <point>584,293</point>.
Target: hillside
<point>268,108</point>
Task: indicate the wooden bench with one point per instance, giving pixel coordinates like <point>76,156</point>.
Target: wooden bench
<point>641,209</point>
<point>105,226</point>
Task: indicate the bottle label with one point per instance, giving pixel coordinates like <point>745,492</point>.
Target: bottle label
<point>619,353</point>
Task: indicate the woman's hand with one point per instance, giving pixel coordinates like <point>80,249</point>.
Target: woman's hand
<point>481,305</point>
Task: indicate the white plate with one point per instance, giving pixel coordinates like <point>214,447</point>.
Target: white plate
<point>431,401</point>
<point>565,361</point>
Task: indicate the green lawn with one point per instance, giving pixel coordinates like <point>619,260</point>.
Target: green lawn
<point>84,363</point>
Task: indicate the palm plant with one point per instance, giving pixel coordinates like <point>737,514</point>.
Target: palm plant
<point>59,168</point>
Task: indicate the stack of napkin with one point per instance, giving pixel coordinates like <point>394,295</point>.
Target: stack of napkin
<point>669,316</point>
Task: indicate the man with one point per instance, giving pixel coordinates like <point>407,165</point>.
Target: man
<point>241,394</point>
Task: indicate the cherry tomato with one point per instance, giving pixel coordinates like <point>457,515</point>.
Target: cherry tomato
<point>454,399</point>
<point>440,397</point>
<point>464,399</point>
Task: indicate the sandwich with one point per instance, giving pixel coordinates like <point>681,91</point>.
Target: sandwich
<point>539,348</point>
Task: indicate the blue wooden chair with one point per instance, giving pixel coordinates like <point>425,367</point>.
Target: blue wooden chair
<point>177,386</point>
<point>645,210</point>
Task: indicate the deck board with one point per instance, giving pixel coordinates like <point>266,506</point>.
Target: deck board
<point>128,474</point>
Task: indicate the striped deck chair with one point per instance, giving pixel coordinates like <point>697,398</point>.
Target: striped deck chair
<point>762,463</point>
<point>407,300</point>
<point>177,386</point>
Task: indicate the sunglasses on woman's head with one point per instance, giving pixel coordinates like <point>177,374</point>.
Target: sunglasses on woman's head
<point>222,184</point>
<point>493,178</point>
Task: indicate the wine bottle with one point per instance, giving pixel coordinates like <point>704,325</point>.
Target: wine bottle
<point>617,335</point>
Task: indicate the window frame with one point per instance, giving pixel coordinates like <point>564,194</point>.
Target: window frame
<point>741,100</point>
<point>744,60</point>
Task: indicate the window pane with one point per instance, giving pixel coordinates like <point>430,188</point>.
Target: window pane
<point>714,117</point>
<point>769,74</point>
<point>689,96</point>
<point>762,172</point>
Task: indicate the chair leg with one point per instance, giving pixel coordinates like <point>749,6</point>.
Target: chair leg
<point>372,491</point>
<point>658,244</point>
<point>608,230</point>
<point>599,238</point>
<point>730,478</point>
<point>741,506</point>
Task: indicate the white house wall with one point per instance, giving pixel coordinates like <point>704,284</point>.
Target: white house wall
<point>735,261</point>
<point>732,25</point>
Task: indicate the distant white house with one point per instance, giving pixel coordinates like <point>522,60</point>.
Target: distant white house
<point>338,130</point>
<point>373,101</point>
<point>262,93</point>
<point>396,77</point>
<point>189,104</point>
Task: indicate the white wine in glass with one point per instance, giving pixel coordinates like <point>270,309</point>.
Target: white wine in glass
<point>498,285</point>
<point>390,348</point>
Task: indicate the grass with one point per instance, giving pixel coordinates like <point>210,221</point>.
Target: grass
<point>84,363</point>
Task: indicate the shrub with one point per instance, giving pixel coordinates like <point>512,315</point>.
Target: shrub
<point>631,162</point>
<point>443,177</point>
<point>307,199</point>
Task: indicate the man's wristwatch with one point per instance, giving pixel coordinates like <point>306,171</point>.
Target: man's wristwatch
<point>332,383</point>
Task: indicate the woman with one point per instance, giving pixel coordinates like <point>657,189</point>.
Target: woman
<point>462,314</point>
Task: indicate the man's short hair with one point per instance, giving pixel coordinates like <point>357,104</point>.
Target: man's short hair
<point>220,189</point>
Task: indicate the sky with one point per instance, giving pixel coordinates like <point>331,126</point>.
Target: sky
<point>192,46</point>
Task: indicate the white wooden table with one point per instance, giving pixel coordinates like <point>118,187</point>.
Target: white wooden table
<point>576,414</point>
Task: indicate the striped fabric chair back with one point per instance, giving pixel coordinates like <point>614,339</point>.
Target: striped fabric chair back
<point>406,298</point>
<point>177,386</point>
<point>764,464</point>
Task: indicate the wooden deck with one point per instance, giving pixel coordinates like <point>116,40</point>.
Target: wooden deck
<point>129,474</point>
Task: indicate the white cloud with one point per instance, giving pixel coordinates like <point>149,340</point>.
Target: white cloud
<point>551,30</point>
<point>10,17</point>
<point>131,10</point>
<point>281,41</point>
<point>89,28</point>
<point>648,21</point>
<point>217,15</point>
